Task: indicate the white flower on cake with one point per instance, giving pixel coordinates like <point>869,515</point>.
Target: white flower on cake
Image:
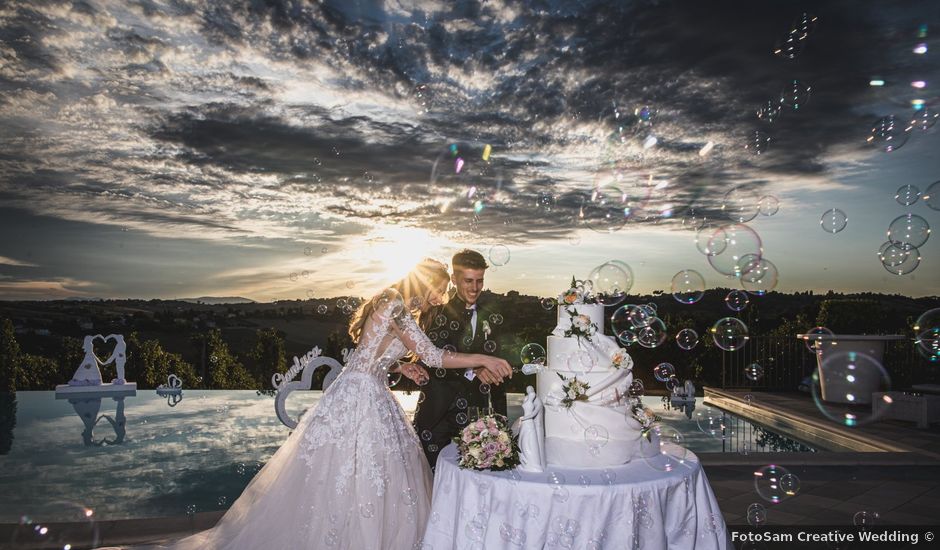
<point>573,390</point>
<point>620,359</point>
<point>581,325</point>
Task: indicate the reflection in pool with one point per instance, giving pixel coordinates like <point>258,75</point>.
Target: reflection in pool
<point>137,456</point>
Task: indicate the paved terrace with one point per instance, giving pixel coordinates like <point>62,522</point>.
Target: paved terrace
<point>899,482</point>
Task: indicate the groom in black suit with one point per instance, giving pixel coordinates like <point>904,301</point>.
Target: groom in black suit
<point>471,322</point>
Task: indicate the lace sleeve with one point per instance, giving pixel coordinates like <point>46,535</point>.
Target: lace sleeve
<point>417,341</point>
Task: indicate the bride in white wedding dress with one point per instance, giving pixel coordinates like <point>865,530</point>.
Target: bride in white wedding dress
<point>352,475</point>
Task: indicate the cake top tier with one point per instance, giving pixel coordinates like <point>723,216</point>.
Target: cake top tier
<point>583,315</point>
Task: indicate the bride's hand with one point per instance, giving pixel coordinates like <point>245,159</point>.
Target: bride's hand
<point>415,372</point>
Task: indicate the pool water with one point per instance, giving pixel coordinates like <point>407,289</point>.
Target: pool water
<point>146,458</point>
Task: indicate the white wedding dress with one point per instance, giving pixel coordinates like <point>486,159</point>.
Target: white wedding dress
<point>352,475</point>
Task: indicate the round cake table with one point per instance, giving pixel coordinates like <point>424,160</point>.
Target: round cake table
<point>657,503</point>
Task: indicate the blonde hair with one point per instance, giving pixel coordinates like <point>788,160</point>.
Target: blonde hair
<point>419,280</point>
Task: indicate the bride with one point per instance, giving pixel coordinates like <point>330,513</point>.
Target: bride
<point>352,475</point>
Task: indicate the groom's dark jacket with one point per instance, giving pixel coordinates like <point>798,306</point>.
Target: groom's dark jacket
<point>439,413</point>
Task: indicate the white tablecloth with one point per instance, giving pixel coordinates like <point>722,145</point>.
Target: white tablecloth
<point>637,505</point>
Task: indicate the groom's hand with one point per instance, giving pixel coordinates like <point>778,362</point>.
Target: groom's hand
<point>486,376</point>
<point>496,368</point>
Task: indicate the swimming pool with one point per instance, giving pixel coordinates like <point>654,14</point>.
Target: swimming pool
<point>145,458</point>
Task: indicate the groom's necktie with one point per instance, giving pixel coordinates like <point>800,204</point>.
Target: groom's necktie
<point>471,313</point>
<point>472,316</point>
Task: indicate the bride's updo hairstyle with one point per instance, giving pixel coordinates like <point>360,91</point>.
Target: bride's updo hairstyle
<point>407,294</point>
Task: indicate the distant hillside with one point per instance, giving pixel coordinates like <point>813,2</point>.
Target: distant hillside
<point>214,300</point>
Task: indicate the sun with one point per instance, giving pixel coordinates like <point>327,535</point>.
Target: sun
<point>398,249</point>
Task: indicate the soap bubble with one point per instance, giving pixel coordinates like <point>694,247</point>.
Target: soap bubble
<point>710,239</point>
<point>596,436</point>
<point>756,515</point>
<point>627,337</point>
<point>795,95</point>
<point>815,339</point>
<point>629,317</point>
<point>909,229</point>
<point>790,484</point>
<point>581,361</point>
<point>549,304</point>
<point>900,259</point>
<point>636,389</point>
<point>605,210</point>
<point>769,111</point>
<point>737,300</point>
<point>742,203</point>
<point>710,422</point>
<point>758,142</point>
<point>767,483</point>
<point>792,44</point>
<point>754,372</point>
<point>496,319</point>
<point>889,133</point>
<point>664,371</point>
<point>907,195</point>
<point>729,333</point>
<point>768,205</point>
<point>652,335</point>
<point>499,255</point>
<point>671,455</point>
<point>556,478</point>
<point>927,334</point>
<point>393,379</point>
<point>924,118</point>
<point>843,385</point>
<point>865,518</point>
<point>322,309</point>
<point>740,241</point>
<point>489,346</point>
<point>932,195</point>
<point>687,338</point>
<point>833,220</point>
<point>611,281</point>
<point>532,354</point>
<point>688,286</point>
<point>758,276</point>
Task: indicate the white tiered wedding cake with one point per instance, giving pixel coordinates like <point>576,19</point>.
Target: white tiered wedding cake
<point>590,418</point>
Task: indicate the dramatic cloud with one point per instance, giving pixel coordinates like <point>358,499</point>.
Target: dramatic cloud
<point>286,124</point>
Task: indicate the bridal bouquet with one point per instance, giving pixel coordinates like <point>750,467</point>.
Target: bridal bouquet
<point>487,444</point>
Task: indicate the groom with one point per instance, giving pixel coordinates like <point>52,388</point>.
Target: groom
<point>448,399</point>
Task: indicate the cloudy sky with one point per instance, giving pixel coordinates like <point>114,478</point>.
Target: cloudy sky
<point>281,149</point>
